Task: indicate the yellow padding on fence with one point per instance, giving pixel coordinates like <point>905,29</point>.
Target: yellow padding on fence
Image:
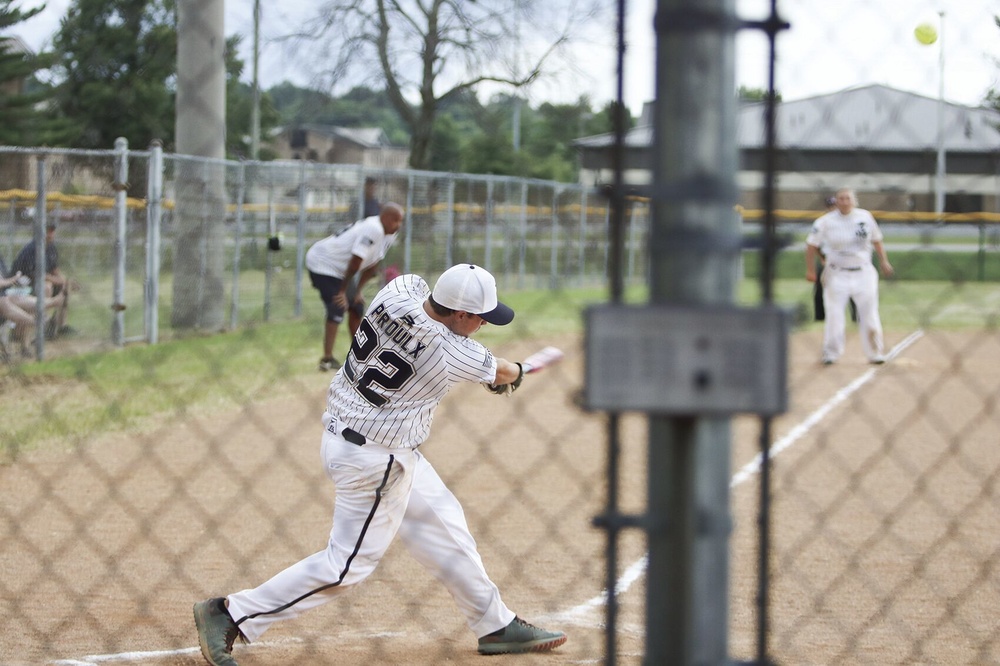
<point>26,199</point>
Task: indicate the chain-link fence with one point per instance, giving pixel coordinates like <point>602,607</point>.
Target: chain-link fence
<point>164,448</point>
<point>243,229</point>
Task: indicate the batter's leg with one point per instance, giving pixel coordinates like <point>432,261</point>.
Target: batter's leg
<point>436,533</point>
<point>372,492</point>
<point>869,323</point>
<point>835,295</point>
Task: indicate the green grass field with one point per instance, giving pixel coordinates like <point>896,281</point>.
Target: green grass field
<point>105,391</point>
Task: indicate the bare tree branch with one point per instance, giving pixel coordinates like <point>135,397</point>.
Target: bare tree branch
<point>427,50</point>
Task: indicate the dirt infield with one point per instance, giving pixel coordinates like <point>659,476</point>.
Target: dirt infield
<point>885,521</point>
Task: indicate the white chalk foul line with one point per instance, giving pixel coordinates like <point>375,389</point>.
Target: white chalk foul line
<point>97,659</point>
<point>637,568</point>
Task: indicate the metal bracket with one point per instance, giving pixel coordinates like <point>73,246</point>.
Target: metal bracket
<point>686,360</point>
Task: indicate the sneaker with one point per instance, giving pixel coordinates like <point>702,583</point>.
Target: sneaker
<point>827,361</point>
<point>878,360</point>
<point>216,631</point>
<point>518,637</point>
<point>328,363</point>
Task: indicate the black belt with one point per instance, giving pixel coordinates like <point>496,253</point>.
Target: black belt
<point>353,437</point>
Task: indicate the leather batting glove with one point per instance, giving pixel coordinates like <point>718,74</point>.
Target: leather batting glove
<point>507,389</point>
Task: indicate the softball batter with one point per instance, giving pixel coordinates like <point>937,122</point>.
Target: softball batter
<point>413,345</point>
<point>848,234</point>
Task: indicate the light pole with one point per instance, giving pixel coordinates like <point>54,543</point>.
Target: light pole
<point>939,174</point>
<point>255,109</point>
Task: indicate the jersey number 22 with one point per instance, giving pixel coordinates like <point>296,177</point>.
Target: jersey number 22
<point>396,368</point>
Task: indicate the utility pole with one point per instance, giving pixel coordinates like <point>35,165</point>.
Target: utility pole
<point>255,111</point>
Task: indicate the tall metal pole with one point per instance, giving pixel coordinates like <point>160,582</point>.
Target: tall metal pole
<point>120,186</point>
<point>939,176</point>
<point>255,111</point>
<point>199,284</point>
<point>694,250</point>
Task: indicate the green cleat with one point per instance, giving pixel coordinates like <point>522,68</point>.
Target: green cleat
<point>216,632</point>
<point>518,637</point>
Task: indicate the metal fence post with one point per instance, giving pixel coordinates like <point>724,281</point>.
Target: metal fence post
<point>631,242</point>
<point>241,188</point>
<point>583,236</point>
<point>523,241</point>
<point>693,237</point>
<point>300,240</point>
<point>271,224</point>
<point>607,229</point>
<point>120,187</point>
<point>981,254</point>
<point>554,253</point>
<point>488,250</point>
<point>408,235</point>
<point>450,219</point>
<point>38,279</point>
<point>154,217</point>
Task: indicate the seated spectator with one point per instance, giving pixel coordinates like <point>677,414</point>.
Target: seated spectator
<point>15,321</point>
<point>57,285</point>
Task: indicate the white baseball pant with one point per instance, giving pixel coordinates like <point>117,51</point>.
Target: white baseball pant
<point>380,492</point>
<point>861,285</point>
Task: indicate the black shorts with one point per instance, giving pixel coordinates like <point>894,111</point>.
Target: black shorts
<point>328,286</point>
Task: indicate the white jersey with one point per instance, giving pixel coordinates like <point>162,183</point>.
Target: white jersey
<point>401,364</point>
<point>365,238</point>
<point>846,240</point>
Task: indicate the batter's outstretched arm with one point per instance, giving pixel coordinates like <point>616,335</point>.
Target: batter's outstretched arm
<point>507,372</point>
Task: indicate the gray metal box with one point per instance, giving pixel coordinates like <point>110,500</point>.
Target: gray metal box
<point>686,360</point>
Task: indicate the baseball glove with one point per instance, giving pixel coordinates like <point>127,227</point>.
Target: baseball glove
<point>507,389</point>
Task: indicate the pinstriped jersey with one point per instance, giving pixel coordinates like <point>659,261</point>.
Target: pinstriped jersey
<point>365,238</point>
<point>401,364</point>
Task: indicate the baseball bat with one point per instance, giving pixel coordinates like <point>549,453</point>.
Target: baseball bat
<point>542,359</point>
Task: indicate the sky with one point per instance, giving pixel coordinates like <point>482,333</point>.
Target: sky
<point>830,46</point>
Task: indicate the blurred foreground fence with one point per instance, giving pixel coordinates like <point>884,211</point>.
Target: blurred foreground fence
<point>140,478</point>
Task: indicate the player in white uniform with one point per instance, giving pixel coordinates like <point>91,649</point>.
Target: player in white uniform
<point>847,236</point>
<point>334,262</point>
<point>413,345</point>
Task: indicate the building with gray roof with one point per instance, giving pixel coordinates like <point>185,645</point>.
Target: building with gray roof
<point>879,140</point>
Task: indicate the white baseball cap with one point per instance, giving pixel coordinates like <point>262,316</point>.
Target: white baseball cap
<point>470,288</point>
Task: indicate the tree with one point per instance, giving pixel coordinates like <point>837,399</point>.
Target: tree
<point>992,99</point>
<point>359,107</point>
<point>551,134</point>
<point>117,67</point>
<point>547,135</point>
<point>491,150</point>
<point>746,94</point>
<point>446,145</point>
<point>22,123</point>
<point>426,52</point>
<point>239,107</point>
<point>116,64</point>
